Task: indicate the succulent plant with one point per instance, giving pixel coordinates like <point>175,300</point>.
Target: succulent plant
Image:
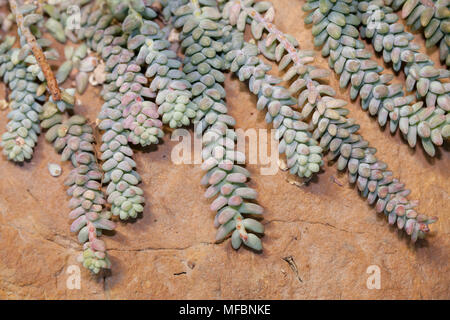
<point>74,139</point>
<point>326,115</point>
<point>433,17</point>
<point>170,6</point>
<point>389,37</point>
<point>336,30</point>
<point>28,77</point>
<point>23,128</point>
<point>173,90</point>
<point>201,40</point>
<point>123,194</point>
<point>146,85</point>
<point>303,153</point>
<point>64,17</point>
<point>23,74</point>
<point>76,58</point>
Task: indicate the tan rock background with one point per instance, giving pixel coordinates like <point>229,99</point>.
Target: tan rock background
<point>330,232</point>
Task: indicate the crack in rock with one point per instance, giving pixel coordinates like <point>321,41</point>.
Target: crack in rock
<point>290,260</point>
<point>326,224</point>
<point>160,248</point>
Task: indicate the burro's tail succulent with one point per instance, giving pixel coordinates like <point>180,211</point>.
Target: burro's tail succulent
<point>146,84</point>
<point>74,138</point>
<point>371,176</point>
<point>303,153</point>
<point>382,26</point>
<point>125,116</point>
<point>430,16</point>
<point>25,101</point>
<point>201,41</point>
<point>335,29</point>
<point>25,70</point>
<point>173,90</point>
<point>128,39</point>
<point>326,115</point>
<point>141,117</point>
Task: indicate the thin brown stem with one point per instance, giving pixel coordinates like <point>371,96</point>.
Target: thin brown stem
<point>37,52</point>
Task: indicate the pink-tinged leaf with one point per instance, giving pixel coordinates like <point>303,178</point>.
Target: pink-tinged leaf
<point>76,213</point>
<point>234,201</point>
<point>98,245</point>
<point>104,224</point>
<point>226,214</point>
<point>409,226</point>
<point>218,203</point>
<point>78,224</point>
<point>234,13</point>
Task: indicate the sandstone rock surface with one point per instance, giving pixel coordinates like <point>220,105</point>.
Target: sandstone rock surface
<point>324,229</point>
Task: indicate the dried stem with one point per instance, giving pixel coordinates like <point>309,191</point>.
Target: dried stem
<point>37,52</point>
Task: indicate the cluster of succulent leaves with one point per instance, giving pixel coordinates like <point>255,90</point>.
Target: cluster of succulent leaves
<point>19,140</point>
<point>432,17</point>
<point>147,85</point>
<point>425,115</point>
<point>21,72</point>
<point>325,114</point>
<point>388,36</point>
<point>202,41</point>
<point>74,138</point>
<point>32,111</point>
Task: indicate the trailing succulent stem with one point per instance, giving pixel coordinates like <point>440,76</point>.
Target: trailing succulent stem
<point>127,46</point>
<point>304,156</point>
<point>388,36</point>
<point>74,139</point>
<point>25,74</point>
<point>121,178</point>
<point>327,116</point>
<point>25,101</point>
<point>146,85</point>
<point>303,153</point>
<point>24,24</point>
<point>335,29</point>
<point>202,37</point>
<point>173,90</point>
<point>23,70</point>
<point>433,17</point>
